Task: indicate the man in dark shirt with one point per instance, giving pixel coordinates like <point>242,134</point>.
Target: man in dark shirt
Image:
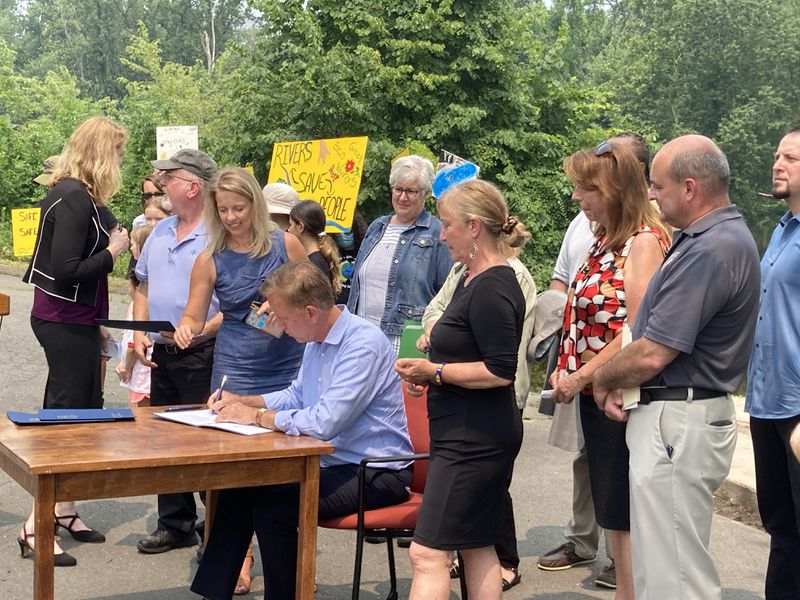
<point>691,342</point>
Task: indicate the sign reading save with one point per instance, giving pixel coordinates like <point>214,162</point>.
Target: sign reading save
<point>327,171</point>
<point>24,226</point>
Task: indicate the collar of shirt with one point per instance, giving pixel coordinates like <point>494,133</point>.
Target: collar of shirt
<point>336,333</point>
<point>716,216</point>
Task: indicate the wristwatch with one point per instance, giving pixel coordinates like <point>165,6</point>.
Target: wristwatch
<point>260,413</point>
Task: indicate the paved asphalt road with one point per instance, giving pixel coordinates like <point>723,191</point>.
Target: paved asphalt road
<point>115,570</point>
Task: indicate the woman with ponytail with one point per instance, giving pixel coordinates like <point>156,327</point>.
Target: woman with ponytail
<point>307,222</point>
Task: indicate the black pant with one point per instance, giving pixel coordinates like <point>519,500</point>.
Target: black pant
<point>778,491</point>
<point>272,511</point>
<point>182,377</point>
<point>73,362</point>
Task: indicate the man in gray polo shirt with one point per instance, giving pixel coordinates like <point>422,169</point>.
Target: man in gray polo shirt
<point>692,339</point>
<point>164,269</point>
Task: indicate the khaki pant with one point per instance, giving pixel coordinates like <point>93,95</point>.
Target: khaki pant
<point>582,529</point>
<point>678,460</point>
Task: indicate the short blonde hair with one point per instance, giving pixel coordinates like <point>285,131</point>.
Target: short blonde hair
<point>238,181</point>
<point>483,201</point>
<point>91,156</point>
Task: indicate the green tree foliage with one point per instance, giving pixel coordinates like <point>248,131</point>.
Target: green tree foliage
<point>723,68</point>
<point>88,37</point>
<point>467,76</point>
<point>36,117</point>
<point>162,93</point>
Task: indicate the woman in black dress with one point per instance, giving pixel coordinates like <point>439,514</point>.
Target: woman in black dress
<point>475,426</point>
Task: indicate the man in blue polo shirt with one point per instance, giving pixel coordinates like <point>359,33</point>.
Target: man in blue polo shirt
<point>164,269</point>
<point>773,381</point>
<point>691,339</point>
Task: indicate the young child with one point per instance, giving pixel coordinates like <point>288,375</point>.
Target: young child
<point>157,209</point>
<point>133,374</point>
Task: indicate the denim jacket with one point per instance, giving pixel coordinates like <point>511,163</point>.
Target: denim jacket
<point>420,266</point>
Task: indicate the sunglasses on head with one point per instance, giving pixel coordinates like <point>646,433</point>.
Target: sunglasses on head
<point>150,195</point>
<point>604,148</point>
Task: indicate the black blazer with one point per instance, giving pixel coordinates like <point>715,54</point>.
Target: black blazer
<point>69,256</point>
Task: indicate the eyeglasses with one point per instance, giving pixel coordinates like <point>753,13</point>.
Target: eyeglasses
<point>604,148</point>
<point>169,176</point>
<point>146,196</point>
<point>409,192</point>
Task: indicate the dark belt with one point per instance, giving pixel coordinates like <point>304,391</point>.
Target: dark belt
<point>173,350</point>
<point>678,394</point>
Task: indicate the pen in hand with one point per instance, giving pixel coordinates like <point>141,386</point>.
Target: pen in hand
<point>221,387</point>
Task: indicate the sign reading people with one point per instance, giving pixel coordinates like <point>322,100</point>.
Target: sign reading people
<point>24,225</point>
<point>171,139</point>
<point>327,171</point>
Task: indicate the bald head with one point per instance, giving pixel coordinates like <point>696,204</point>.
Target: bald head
<point>697,157</point>
<point>689,179</point>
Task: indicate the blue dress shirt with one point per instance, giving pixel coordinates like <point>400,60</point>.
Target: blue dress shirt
<point>165,265</point>
<point>347,392</point>
<point>773,376</point>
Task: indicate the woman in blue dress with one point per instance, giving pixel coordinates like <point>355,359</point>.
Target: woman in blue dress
<point>244,247</point>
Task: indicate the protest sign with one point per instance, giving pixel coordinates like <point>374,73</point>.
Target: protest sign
<point>24,225</point>
<point>326,171</point>
<point>171,139</point>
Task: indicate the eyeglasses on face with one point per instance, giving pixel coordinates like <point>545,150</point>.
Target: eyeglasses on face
<point>150,195</point>
<point>169,176</point>
<point>409,192</point>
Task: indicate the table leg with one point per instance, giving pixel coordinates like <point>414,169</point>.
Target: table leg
<point>307,530</point>
<point>211,510</point>
<point>45,508</point>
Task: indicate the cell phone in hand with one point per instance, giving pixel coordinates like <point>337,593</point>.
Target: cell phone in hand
<point>260,321</point>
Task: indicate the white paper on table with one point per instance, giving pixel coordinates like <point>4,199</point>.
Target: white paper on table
<point>205,418</point>
<point>630,396</point>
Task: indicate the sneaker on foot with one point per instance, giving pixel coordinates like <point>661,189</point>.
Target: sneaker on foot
<point>607,577</point>
<point>562,558</point>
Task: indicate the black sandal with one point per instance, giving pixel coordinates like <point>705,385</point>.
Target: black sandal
<point>87,535</point>
<point>507,585</point>
<point>455,569</point>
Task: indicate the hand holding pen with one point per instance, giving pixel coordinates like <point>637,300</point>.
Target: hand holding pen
<point>217,397</point>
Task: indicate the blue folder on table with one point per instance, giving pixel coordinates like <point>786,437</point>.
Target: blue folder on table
<point>54,416</point>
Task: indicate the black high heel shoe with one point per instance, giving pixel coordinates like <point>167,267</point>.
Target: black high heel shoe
<point>25,549</point>
<point>87,535</point>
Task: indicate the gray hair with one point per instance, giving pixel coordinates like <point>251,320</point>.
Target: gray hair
<point>416,169</point>
<point>702,165</point>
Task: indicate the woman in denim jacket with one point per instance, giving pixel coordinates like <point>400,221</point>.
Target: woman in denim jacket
<point>402,262</point>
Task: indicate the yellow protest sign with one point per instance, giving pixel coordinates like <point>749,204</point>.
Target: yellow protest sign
<point>327,171</point>
<point>24,225</point>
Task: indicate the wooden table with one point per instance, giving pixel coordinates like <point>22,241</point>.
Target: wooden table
<point>87,461</point>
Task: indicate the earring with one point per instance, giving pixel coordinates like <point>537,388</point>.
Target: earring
<point>473,252</point>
